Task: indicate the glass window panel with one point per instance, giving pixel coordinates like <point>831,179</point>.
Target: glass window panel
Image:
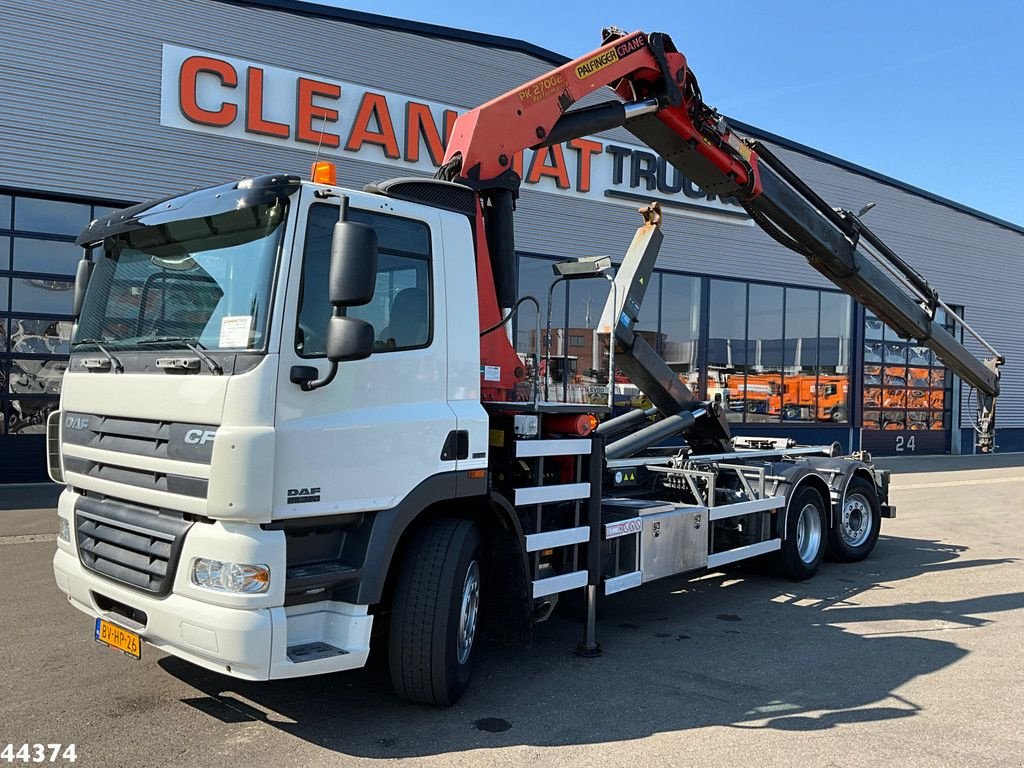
<point>893,420</point>
<point>873,351</point>
<point>4,293</point>
<point>394,233</point>
<point>39,337</point>
<point>400,309</point>
<point>585,360</point>
<point>872,374</point>
<point>873,327</point>
<point>895,376</point>
<point>535,277</point>
<point>872,420</point>
<point>920,355</point>
<point>3,379</point>
<point>802,398</point>
<point>42,296</point>
<point>895,352</point>
<point>918,377</point>
<point>27,416</point>
<point>5,253</point>
<point>727,348</point>
<point>764,389</point>
<point>834,332</point>
<point>36,377</point>
<point>918,398</point>
<point>5,211</point>
<point>680,327</point>
<point>872,397</point>
<point>918,420</point>
<point>894,397</point>
<point>53,217</point>
<point>32,255</point>
<point>99,211</point>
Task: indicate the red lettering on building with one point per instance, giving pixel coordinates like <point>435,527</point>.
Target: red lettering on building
<point>254,120</point>
<point>556,170</point>
<point>188,80</point>
<point>585,149</point>
<point>307,111</point>
<point>374,106</point>
<point>419,122</point>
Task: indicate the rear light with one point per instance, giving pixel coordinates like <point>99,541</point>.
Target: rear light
<point>581,425</point>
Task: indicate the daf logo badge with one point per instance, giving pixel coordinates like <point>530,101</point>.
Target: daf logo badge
<point>76,422</point>
<point>199,436</point>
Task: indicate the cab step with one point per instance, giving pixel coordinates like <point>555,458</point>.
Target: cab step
<point>313,652</point>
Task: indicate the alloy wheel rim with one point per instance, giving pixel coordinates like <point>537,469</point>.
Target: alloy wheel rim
<point>469,612</point>
<point>855,524</point>
<point>808,533</point>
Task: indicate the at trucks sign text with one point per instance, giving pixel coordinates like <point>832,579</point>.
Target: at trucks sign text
<point>227,96</point>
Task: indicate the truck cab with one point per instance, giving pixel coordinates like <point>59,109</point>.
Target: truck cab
<point>214,503</point>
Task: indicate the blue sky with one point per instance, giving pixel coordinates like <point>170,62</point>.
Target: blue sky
<point>931,93</point>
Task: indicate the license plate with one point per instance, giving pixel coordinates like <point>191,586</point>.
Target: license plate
<point>129,643</point>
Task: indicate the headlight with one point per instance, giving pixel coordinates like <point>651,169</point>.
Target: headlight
<point>64,530</point>
<point>239,578</point>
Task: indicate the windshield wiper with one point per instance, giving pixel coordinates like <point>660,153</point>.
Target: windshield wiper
<point>212,364</point>
<point>115,364</point>
<point>193,344</point>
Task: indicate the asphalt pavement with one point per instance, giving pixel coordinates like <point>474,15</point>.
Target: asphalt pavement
<point>914,657</point>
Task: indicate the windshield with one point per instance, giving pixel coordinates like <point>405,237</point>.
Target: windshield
<point>203,281</point>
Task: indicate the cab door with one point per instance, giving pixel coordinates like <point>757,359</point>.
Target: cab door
<point>365,440</point>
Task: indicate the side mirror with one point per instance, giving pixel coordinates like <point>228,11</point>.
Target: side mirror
<point>353,274</point>
<point>349,339</point>
<point>82,275</point>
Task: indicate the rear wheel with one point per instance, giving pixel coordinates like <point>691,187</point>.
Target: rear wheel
<point>858,523</point>
<point>803,545</point>
<point>435,613</point>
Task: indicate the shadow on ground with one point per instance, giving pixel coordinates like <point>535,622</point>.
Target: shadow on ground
<point>738,649</point>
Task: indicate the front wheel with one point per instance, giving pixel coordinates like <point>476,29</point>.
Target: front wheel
<point>803,545</point>
<point>858,523</point>
<point>435,613</point>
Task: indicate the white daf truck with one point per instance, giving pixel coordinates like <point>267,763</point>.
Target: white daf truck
<point>293,419</point>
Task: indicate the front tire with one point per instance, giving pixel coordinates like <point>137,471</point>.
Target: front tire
<point>803,545</point>
<point>435,613</point>
<point>858,523</point>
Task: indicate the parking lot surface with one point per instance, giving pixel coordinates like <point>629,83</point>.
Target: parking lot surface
<point>914,657</point>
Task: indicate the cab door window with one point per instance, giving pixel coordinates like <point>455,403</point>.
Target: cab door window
<point>401,312</point>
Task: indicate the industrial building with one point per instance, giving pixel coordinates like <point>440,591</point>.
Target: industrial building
<point>104,106</point>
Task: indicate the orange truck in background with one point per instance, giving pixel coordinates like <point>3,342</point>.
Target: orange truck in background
<point>804,397</point>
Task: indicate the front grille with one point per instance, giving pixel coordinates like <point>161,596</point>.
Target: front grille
<point>140,437</point>
<point>129,544</point>
<point>140,478</point>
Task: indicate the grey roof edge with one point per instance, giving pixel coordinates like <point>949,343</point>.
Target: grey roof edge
<point>449,33</point>
<point>817,154</point>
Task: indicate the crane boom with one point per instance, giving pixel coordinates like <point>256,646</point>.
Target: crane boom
<point>660,103</point>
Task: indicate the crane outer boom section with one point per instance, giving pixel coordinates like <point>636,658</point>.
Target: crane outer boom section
<point>660,103</point>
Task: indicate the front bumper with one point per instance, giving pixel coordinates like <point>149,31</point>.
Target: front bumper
<point>251,643</point>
